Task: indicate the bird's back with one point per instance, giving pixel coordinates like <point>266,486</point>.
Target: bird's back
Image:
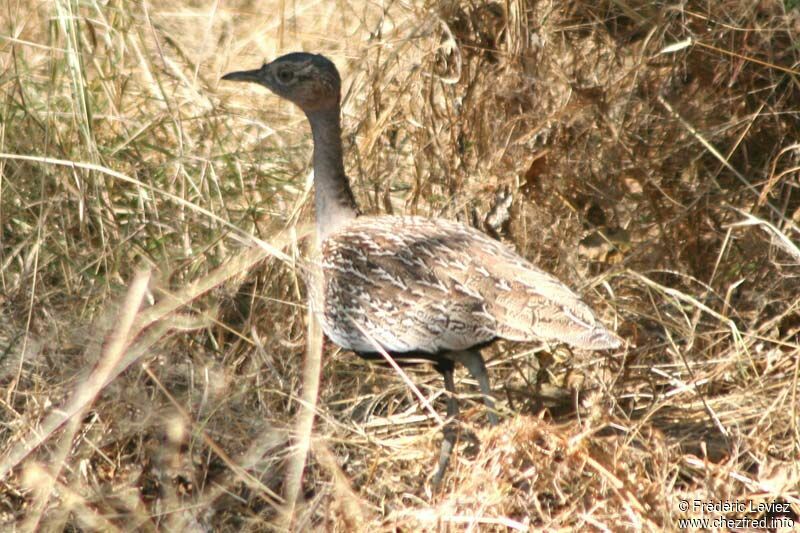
<point>412,284</point>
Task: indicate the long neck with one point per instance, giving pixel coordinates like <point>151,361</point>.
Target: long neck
<point>334,200</point>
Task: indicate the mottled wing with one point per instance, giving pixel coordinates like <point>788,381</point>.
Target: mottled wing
<point>382,285</point>
<point>530,304</point>
<point>416,284</point>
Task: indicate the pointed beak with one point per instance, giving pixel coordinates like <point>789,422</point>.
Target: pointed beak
<point>245,75</point>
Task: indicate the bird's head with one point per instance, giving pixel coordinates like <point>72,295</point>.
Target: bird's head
<point>309,80</point>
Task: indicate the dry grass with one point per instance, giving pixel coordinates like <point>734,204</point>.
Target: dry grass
<point>152,318</point>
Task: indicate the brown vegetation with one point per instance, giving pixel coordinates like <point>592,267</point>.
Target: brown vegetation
<point>152,312</point>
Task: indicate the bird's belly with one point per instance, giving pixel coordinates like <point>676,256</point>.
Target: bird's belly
<point>364,336</point>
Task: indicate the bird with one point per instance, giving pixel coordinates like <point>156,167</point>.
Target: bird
<point>416,288</point>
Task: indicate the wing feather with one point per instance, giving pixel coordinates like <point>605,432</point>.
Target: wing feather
<point>417,284</point>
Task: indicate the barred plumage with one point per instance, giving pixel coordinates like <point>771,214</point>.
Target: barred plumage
<point>411,286</point>
<point>430,285</point>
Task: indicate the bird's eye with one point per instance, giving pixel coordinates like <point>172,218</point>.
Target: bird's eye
<point>285,76</point>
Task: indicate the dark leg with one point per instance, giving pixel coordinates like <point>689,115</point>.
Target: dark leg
<point>446,369</point>
<point>473,360</point>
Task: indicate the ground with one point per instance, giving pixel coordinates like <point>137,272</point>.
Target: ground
<point>156,223</point>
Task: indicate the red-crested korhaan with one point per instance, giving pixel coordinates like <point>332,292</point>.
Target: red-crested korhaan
<point>414,287</point>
